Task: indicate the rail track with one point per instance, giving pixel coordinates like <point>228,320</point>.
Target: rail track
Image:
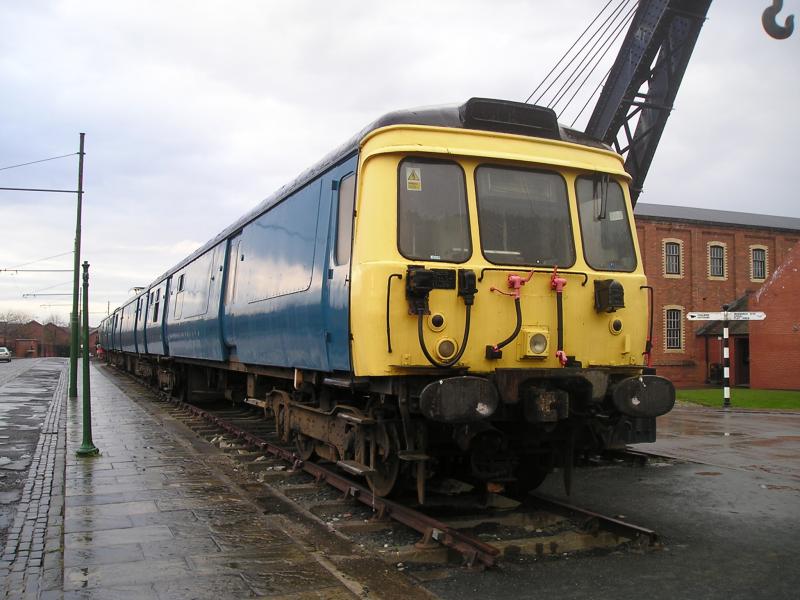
<point>454,526</point>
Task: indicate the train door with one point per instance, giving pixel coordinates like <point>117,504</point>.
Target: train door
<point>138,323</point>
<point>229,292</point>
<point>337,304</point>
<point>162,313</point>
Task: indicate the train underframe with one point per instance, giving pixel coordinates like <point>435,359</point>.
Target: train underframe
<point>506,430</point>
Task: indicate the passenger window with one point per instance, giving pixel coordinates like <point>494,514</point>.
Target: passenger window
<point>344,220</point>
<point>433,222</point>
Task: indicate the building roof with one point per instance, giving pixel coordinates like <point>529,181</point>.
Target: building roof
<point>719,217</point>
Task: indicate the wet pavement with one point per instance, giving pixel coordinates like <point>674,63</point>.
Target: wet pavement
<point>728,515</point>
<point>26,389</point>
<point>737,439</point>
<point>150,518</point>
<point>161,514</point>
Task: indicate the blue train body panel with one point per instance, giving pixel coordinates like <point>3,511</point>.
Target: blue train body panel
<point>192,322</point>
<point>127,330</point>
<point>286,304</point>
<point>113,333</point>
<point>336,299</point>
<point>268,291</point>
<point>154,329</point>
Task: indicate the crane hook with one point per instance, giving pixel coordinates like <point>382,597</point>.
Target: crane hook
<point>770,23</point>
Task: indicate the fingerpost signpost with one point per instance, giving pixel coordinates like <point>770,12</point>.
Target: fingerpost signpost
<point>726,316</point>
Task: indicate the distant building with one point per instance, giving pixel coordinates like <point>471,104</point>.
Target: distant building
<point>699,260</point>
<point>33,340</point>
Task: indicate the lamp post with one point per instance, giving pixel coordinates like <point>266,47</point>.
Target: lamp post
<point>87,446</point>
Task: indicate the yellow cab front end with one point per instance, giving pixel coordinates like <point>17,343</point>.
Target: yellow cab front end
<point>465,244</point>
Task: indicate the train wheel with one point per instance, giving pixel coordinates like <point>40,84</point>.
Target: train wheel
<point>305,446</point>
<point>384,461</point>
<point>528,479</point>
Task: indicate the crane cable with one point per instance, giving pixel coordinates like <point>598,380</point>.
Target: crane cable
<point>575,43</point>
<point>607,45</point>
<point>589,55</point>
<point>594,38</point>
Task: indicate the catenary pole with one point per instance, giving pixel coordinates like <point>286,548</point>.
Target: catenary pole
<point>87,446</point>
<point>73,319</point>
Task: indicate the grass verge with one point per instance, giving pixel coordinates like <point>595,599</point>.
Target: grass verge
<point>743,398</point>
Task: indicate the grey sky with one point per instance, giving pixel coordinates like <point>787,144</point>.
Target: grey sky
<point>195,111</point>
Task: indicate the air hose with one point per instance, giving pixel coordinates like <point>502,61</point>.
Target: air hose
<point>420,282</point>
<point>518,326</point>
<point>457,357</point>
<point>515,283</point>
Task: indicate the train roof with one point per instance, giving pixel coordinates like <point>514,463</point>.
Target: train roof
<point>483,114</point>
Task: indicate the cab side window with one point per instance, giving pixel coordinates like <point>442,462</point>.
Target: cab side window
<point>344,220</point>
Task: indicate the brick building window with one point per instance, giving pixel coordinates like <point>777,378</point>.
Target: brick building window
<point>717,267</point>
<point>673,328</point>
<point>672,258</point>
<point>758,263</point>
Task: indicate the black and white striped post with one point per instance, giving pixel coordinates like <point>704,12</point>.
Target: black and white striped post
<point>725,317</point>
<point>726,361</point>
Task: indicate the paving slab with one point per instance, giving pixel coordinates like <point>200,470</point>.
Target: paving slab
<point>147,518</point>
<point>143,517</point>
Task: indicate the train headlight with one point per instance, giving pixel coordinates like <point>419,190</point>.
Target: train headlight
<point>538,343</point>
<point>534,342</point>
<point>446,348</point>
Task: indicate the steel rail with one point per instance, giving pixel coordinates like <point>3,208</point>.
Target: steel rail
<point>475,552</point>
<point>612,524</point>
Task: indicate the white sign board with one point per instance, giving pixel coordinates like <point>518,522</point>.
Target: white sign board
<point>726,316</point>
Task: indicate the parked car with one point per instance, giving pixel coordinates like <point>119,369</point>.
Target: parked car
<point>5,354</point>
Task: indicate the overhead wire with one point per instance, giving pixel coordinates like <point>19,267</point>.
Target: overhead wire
<point>38,260</point>
<point>50,287</point>
<point>38,161</point>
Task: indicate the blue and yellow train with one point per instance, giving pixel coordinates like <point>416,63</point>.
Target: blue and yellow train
<point>455,290</point>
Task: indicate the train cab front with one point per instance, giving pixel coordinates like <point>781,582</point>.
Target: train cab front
<point>498,296</point>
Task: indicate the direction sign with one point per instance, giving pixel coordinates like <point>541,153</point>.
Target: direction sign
<point>726,316</point>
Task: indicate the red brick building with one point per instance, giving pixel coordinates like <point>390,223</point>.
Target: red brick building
<point>32,339</point>
<point>699,260</point>
<point>775,342</point>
